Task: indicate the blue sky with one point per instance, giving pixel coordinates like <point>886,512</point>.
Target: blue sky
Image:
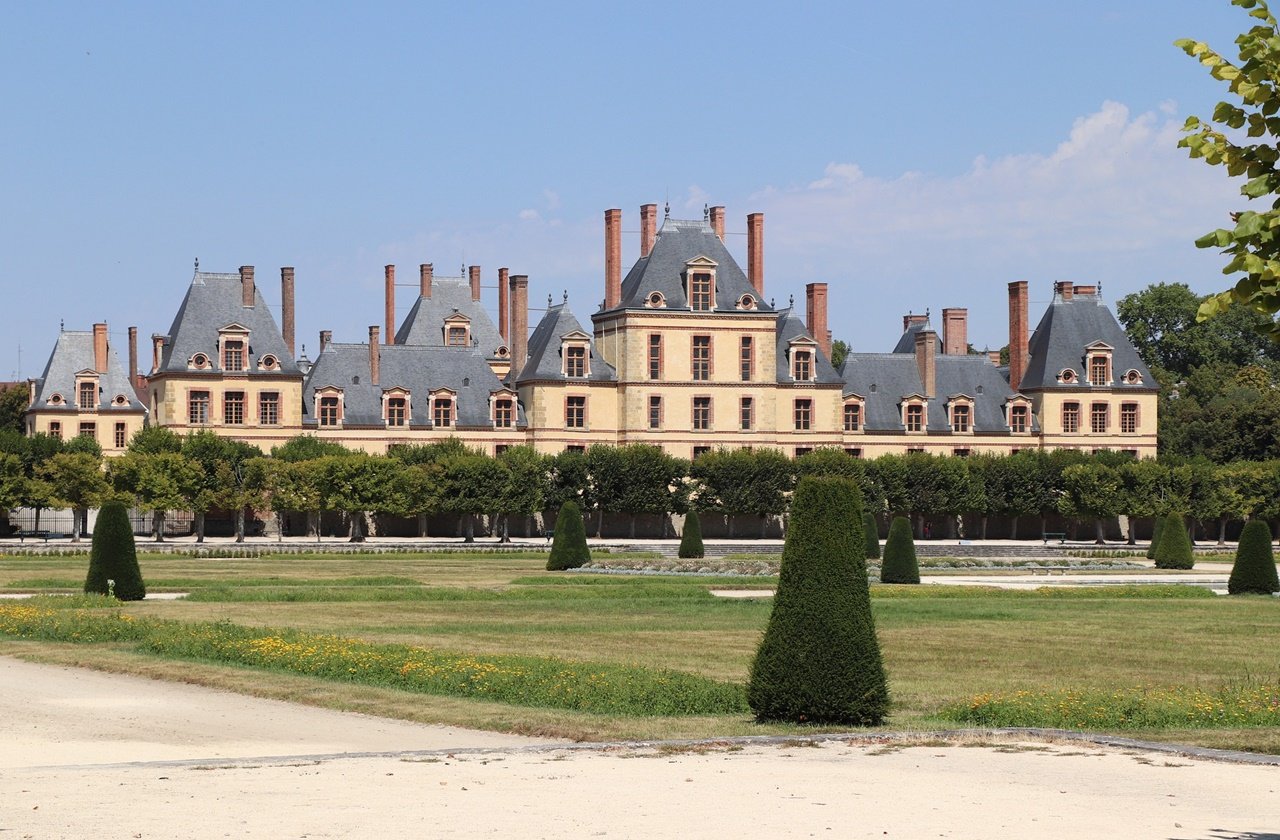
<point>912,156</point>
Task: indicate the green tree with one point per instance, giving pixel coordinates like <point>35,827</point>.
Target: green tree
<point>1156,530</point>
<point>77,482</point>
<point>419,492</point>
<point>871,535</point>
<point>159,481</point>
<point>355,483</point>
<point>473,485</point>
<point>691,538</point>
<point>524,494</point>
<point>1255,568</point>
<point>744,482</point>
<point>13,404</point>
<point>638,479</point>
<point>819,661</point>
<point>155,439</point>
<point>307,448</point>
<point>839,352</point>
<point>113,560</point>
<point>1174,550</point>
<point>1091,491</point>
<point>297,486</point>
<point>569,546</point>
<point>899,565</point>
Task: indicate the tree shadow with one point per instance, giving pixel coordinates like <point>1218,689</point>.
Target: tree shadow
<point>1223,834</point>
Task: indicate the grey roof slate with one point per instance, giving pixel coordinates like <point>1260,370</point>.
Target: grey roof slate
<point>907,341</point>
<point>419,369</point>
<point>544,362</point>
<point>790,327</point>
<point>212,302</point>
<point>425,322</point>
<point>1059,342</point>
<point>662,271</point>
<point>73,353</point>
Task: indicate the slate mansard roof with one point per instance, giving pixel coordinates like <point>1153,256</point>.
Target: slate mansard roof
<point>789,328</point>
<point>73,354</point>
<point>424,325</point>
<point>418,369</point>
<point>544,362</point>
<point>1060,339</point>
<point>677,243</point>
<point>214,301</point>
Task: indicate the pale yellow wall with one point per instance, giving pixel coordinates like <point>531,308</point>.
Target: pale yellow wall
<point>1048,409</point>
<point>104,423</point>
<point>169,398</point>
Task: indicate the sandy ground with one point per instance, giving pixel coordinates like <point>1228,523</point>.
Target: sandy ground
<point>96,755</point>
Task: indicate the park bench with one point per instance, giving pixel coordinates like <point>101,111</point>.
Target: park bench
<point>42,535</point>
<point>1062,538</point>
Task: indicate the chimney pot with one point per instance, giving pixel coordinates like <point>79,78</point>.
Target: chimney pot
<point>1085,291</point>
<point>910,320</point>
<point>1018,305</point>
<point>926,361</point>
<point>133,357</point>
<point>612,258</point>
<point>717,221</point>
<point>474,274</point>
<point>519,339</point>
<point>246,285</point>
<point>1064,290</point>
<point>424,279</point>
<point>955,332</point>
<point>326,336</point>
<point>755,252</point>
<point>648,228</point>
<point>374,355</point>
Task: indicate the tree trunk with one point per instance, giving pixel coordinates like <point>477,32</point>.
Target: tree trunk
<point>240,525</point>
<point>422,524</point>
<point>600,524</point>
<point>1013,528</point>
<point>316,517</point>
<point>1044,526</point>
<point>279,526</point>
<point>357,532</point>
<point>157,525</point>
<point>1222,530</point>
<point>75,525</point>
<point>469,528</point>
<point>1098,528</point>
<point>983,527</point>
<point>951,527</point>
<point>37,527</point>
<point>632,528</point>
<point>1133,530</point>
<point>199,526</point>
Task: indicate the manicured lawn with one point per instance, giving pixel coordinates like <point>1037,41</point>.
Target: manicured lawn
<point>942,646</point>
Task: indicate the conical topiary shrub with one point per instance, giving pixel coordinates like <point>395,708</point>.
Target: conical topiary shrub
<point>569,546</point>
<point>1255,567</point>
<point>899,564</point>
<point>691,538</point>
<point>1174,550</point>
<point>1155,537</point>
<point>819,661</point>
<point>871,536</point>
<point>113,560</point>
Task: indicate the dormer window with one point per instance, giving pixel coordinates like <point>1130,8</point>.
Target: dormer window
<point>655,300</point>
<point>1132,377</point>
<point>747,302</point>
<point>395,407</point>
<point>700,283</point>
<point>854,419</point>
<point>199,362</point>
<point>457,330</point>
<point>329,407</point>
<point>56,399</point>
<point>575,356</point>
<point>913,414</point>
<point>443,409</point>
<point>268,362</point>
<point>502,352</point>
<point>802,365</point>
<point>1098,363</point>
<point>503,409</point>
<point>575,361</point>
<point>87,394</point>
<point>1067,376</point>
<point>120,400</point>
<point>960,411</point>
<point>233,354</point>
<point>1019,416</point>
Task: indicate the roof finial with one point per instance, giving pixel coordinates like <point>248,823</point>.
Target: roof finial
<point>197,265</point>
<point>62,325</point>
<point>926,314</point>
<point>791,302</point>
<point>666,211</point>
<point>773,303</point>
<point>566,295</point>
<point>462,270</point>
<point>548,300</point>
<point>706,212</point>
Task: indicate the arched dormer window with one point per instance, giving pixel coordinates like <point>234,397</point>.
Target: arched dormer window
<point>960,411</point>
<point>444,408</point>
<point>56,399</point>
<point>803,353</point>
<point>1098,364</point>
<point>1067,376</point>
<point>747,303</point>
<point>575,355</point>
<point>700,283</point>
<point>1132,377</point>
<point>268,363</point>
<point>199,361</point>
<point>329,407</point>
<point>655,300</point>
<point>457,330</point>
<point>396,408</point>
<point>502,409</point>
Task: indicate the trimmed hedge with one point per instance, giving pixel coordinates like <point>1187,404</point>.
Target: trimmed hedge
<point>569,546</point>
<point>1155,537</point>
<point>113,559</point>
<point>1255,568</point>
<point>819,661</point>
<point>1174,550</point>
<point>871,536</point>
<point>900,564</point>
<point>691,538</point>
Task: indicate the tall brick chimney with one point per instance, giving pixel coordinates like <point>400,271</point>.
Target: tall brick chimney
<point>389,295</point>
<point>612,258</point>
<point>157,351</point>
<point>504,305</point>
<point>100,348</point>
<point>815,295</point>
<point>246,285</point>
<point>133,357</point>
<point>473,273</point>
<point>717,221</point>
<point>927,362</point>
<point>375,355</point>
<point>519,323</point>
<point>648,228</point>
<point>1064,289</point>
<point>1084,291</point>
<point>326,336</point>
<point>424,279</point>
<point>1019,303</point>
<point>286,308</point>
<point>755,252</point>
<point>955,332</point>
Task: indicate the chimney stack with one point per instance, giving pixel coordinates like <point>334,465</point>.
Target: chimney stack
<point>910,320</point>
<point>927,362</point>
<point>648,228</point>
<point>717,221</point>
<point>1064,290</point>
<point>100,348</point>
<point>474,274</point>
<point>612,258</point>
<point>955,332</point>
<point>133,357</point>
<point>815,295</point>
<point>1085,291</point>
<point>504,305</point>
<point>1018,305</point>
<point>157,351</point>
<point>424,279</point>
<point>375,355</point>
<point>286,307</point>
<point>519,323</point>
<point>389,294</point>
<point>326,336</point>
<point>755,252</point>
<point>246,285</point>
<point>993,356</point>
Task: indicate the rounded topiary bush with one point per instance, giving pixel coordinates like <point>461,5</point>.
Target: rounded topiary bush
<point>569,546</point>
<point>871,536</point>
<point>1174,550</point>
<point>819,661</point>
<point>691,538</point>
<point>899,564</point>
<point>1255,567</point>
<point>1155,537</point>
<point>113,559</point>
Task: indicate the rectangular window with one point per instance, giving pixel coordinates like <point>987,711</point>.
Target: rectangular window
<point>575,361</point>
<point>1098,370</point>
<point>504,414</point>
<point>959,418</point>
<point>701,358</point>
<point>700,295</point>
<point>852,417</point>
<point>747,358</point>
<point>1098,418</point>
<point>960,453</point>
<point>575,412</point>
<point>269,408</point>
<point>915,450</point>
<point>915,418</point>
<point>55,430</point>
<point>88,395</point>
<point>575,449</point>
<point>699,451</point>
<point>456,336</point>
<point>803,450</point>
<point>88,430</point>
<point>802,366</point>
<point>198,407</point>
<point>233,408</point>
<point>804,415</point>
<point>702,414</point>
<point>329,408</point>
<point>655,356</point>
<point>121,436</point>
<point>397,411</point>
<point>1071,417</point>
<point>1018,418</point>
<point>442,412</point>
<point>655,412</point>
<point>855,452</point>
<point>233,355</point>
<point>746,410</point>
<point>500,448</point>
<point>1128,418</point>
